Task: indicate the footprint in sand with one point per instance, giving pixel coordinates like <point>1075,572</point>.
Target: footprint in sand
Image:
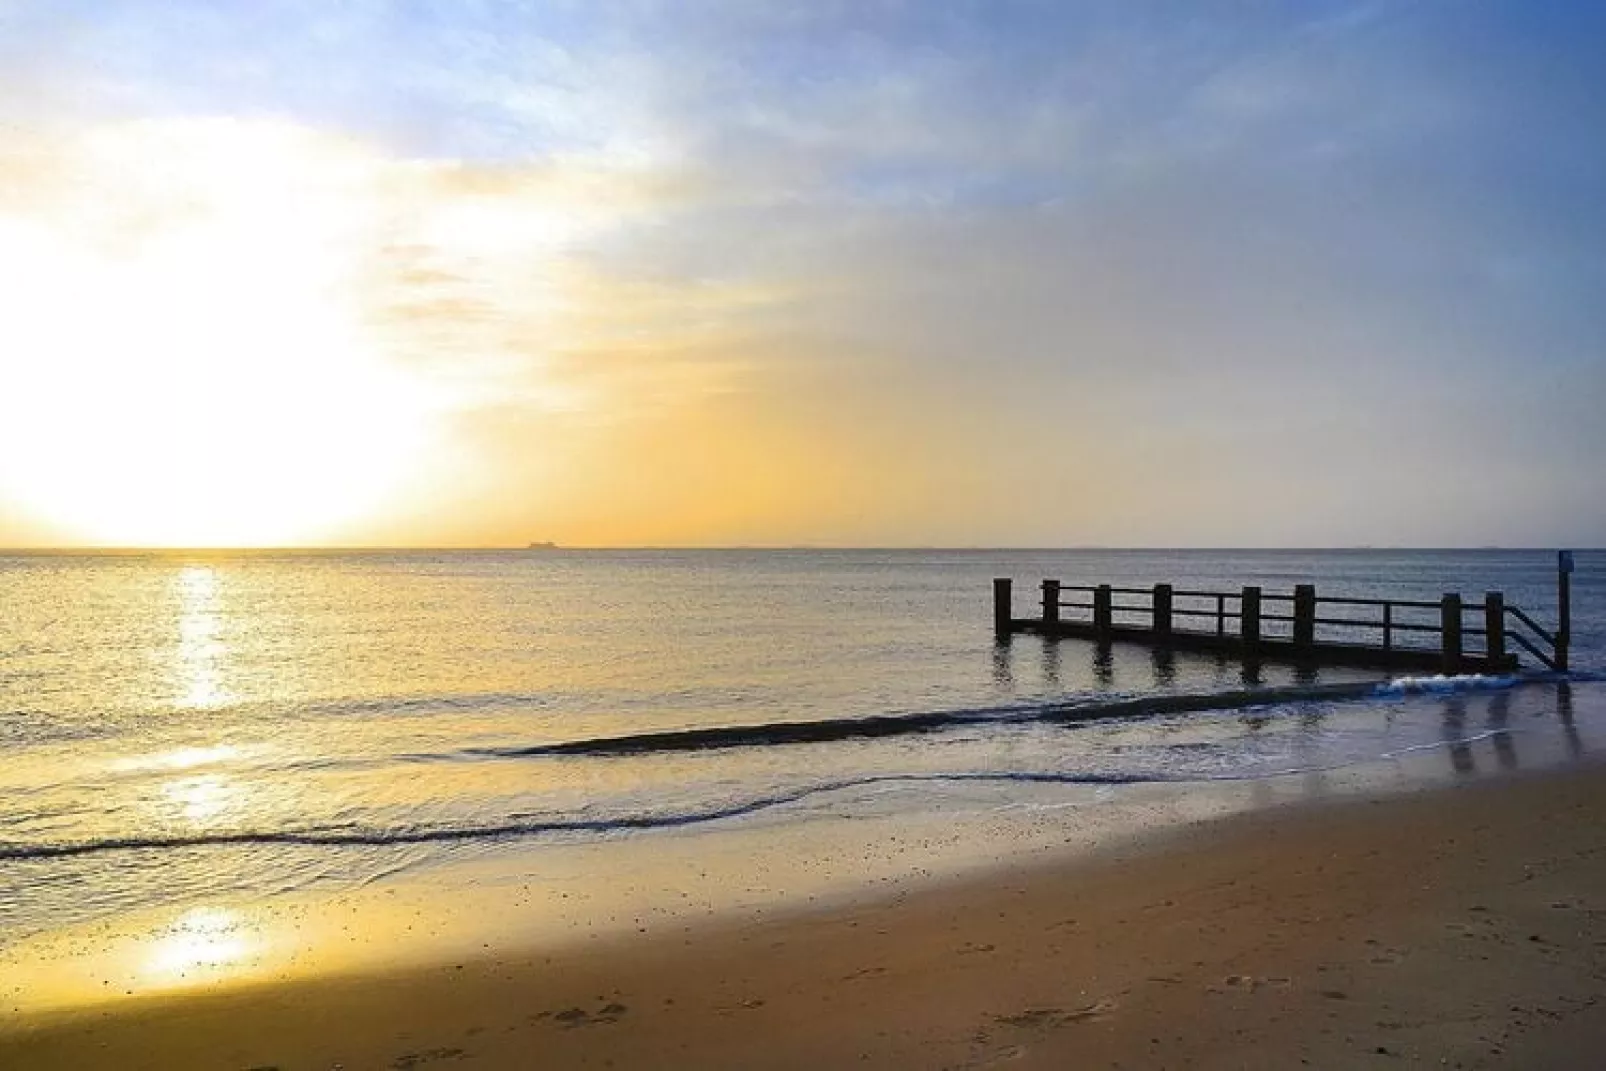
<point>867,972</point>
<point>1249,983</point>
<point>1033,1019</point>
<point>1040,1018</point>
<point>577,1016</point>
<point>1008,1054</point>
<point>745,1005</point>
<point>428,1056</point>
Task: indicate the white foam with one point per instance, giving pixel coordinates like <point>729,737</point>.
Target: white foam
<point>1461,682</point>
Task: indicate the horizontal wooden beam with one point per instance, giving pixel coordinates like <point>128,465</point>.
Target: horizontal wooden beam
<point>1267,649</point>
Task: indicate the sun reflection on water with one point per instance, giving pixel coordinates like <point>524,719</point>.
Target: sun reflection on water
<point>202,797</point>
<point>201,653</point>
<point>183,758</point>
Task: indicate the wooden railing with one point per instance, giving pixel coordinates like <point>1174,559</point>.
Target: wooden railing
<point>1302,622</point>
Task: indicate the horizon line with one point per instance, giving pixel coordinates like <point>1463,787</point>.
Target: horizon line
<point>489,548</point>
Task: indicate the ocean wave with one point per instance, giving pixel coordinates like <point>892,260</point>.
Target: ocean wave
<point>428,704</point>
<point>522,826</point>
<point>1060,711</point>
<point>1439,682</point>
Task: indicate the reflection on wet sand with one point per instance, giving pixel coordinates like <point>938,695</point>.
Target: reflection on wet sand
<point>1507,740</point>
<point>1569,727</point>
<point>1505,744</point>
<point>1455,735</point>
<point>211,939</point>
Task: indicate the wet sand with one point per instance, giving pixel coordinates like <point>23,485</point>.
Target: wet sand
<point>1463,927</point>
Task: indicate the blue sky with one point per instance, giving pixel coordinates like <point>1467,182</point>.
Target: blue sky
<point>932,272</point>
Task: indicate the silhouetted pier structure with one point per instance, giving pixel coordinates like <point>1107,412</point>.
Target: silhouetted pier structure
<point>1300,627</point>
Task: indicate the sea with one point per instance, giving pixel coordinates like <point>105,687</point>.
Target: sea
<point>180,729</point>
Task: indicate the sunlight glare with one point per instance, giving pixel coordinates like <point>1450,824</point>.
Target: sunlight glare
<point>201,652</point>
<point>204,937</point>
<point>201,798</point>
<point>189,358</point>
<point>184,758</point>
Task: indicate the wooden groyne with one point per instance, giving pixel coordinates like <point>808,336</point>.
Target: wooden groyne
<point>1451,635</point>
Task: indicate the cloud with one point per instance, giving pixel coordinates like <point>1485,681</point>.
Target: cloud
<point>1001,272</point>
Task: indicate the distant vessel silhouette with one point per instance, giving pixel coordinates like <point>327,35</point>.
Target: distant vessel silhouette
<point>547,545</point>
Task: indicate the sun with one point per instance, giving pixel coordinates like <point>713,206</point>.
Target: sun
<point>188,360</point>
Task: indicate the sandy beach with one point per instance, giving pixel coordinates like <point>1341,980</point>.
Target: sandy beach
<point>1463,927</point>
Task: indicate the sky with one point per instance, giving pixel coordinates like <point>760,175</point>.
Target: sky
<point>877,273</point>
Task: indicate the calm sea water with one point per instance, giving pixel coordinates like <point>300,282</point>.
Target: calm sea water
<point>188,725</point>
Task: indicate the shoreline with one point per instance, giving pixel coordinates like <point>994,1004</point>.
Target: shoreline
<point>1286,933</point>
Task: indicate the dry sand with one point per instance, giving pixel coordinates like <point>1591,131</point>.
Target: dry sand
<point>1461,928</point>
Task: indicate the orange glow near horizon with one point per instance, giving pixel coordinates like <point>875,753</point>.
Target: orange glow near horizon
<point>251,333</point>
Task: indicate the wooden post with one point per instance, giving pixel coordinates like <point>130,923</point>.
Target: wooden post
<point>1494,630</point>
<point>1249,605</point>
<point>1564,607</point>
<point>1051,603</point>
<point>1450,626</point>
<point>1103,613</point>
<point>1304,616</point>
<point>1003,608</point>
<point>1162,610</point>
<point>1388,626</point>
<point>1221,614</point>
